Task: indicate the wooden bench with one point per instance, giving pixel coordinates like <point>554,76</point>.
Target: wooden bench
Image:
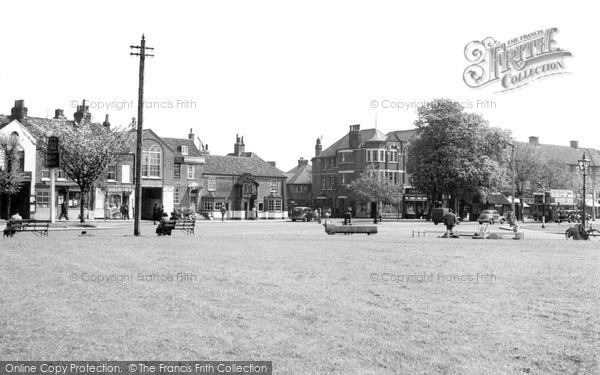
<point>187,226</point>
<point>350,229</point>
<point>37,227</point>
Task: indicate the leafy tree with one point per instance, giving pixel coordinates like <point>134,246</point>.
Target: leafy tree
<point>11,178</point>
<point>86,150</point>
<point>455,153</point>
<point>373,186</point>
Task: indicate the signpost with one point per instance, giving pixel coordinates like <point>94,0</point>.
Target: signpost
<point>52,162</point>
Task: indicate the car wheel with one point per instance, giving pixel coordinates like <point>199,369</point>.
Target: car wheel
<point>305,219</point>
<point>436,222</point>
<point>293,219</point>
<point>481,223</point>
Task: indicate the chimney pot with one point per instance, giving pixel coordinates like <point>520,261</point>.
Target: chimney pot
<point>534,140</point>
<point>575,144</point>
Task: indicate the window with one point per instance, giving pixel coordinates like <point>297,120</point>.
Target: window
<point>394,156</point>
<point>208,205</point>
<point>151,160</point>
<point>42,198</point>
<point>176,196</point>
<point>177,171</point>
<point>274,205</point>
<point>343,179</point>
<point>212,184</point>
<point>368,155</point>
<point>61,175</point>
<point>45,174</point>
<point>125,174</point>
<point>299,188</point>
<point>323,183</point>
<point>273,186</point>
<point>330,183</point>
<point>112,173</point>
<point>191,172</point>
<point>381,155</point>
<point>184,150</point>
<point>323,164</point>
<point>218,205</point>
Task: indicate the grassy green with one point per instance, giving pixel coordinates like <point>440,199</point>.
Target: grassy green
<point>289,293</point>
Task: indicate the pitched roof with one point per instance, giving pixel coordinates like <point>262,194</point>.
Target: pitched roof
<point>367,135</point>
<point>238,165</point>
<point>176,143</point>
<point>570,155</point>
<point>497,198</point>
<point>300,174</point>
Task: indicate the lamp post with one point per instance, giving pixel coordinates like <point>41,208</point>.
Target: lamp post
<point>583,166</point>
<point>512,204</point>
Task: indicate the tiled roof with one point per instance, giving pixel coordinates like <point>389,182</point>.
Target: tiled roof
<point>301,174</point>
<point>238,165</point>
<point>570,155</point>
<point>366,135</point>
<point>175,144</point>
<point>378,137</point>
<point>497,198</point>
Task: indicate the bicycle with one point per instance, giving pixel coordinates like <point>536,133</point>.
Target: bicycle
<point>578,231</point>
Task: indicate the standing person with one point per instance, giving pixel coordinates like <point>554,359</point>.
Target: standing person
<point>125,211</point>
<point>450,220</point>
<point>348,217</point>
<point>63,211</point>
<point>223,212</point>
<point>161,211</point>
<point>155,216</point>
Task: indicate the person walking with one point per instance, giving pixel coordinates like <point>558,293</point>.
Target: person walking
<point>450,221</point>
<point>63,211</point>
<point>223,212</point>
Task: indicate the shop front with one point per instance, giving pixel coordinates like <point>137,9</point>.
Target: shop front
<point>415,204</point>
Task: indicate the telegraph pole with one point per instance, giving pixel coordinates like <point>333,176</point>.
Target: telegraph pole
<point>138,149</point>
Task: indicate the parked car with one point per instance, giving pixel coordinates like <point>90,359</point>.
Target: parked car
<point>302,213</point>
<point>490,216</point>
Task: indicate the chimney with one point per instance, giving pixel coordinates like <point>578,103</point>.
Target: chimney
<point>272,163</point>
<point>83,113</point>
<point>239,147</point>
<point>106,123</point>
<point>59,114</point>
<point>575,144</point>
<point>302,162</point>
<point>191,135</point>
<point>354,136</point>
<point>318,147</point>
<point>534,141</point>
<point>19,111</point>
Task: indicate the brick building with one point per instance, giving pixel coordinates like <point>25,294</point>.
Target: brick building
<point>299,184</point>
<point>246,185</point>
<point>335,167</point>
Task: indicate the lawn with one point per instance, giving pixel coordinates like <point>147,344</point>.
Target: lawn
<point>311,303</point>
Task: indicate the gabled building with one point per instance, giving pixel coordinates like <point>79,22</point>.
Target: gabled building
<point>335,167</point>
<point>299,184</point>
<point>246,185</point>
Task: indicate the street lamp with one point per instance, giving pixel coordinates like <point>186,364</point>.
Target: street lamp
<point>583,166</point>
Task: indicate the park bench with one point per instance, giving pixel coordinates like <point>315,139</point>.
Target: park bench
<point>37,227</point>
<point>350,229</point>
<point>166,227</point>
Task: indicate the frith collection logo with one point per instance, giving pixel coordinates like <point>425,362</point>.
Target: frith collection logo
<point>515,63</point>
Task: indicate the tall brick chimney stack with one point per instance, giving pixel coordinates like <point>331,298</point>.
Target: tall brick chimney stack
<point>318,147</point>
<point>239,147</point>
<point>59,114</point>
<point>354,136</point>
<point>106,123</point>
<point>19,111</point>
<point>83,113</point>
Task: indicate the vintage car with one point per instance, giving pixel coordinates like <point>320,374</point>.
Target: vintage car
<point>302,213</point>
<point>490,216</point>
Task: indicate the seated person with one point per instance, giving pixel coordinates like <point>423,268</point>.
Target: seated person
<point>12,224</point>
<point>165,226</point>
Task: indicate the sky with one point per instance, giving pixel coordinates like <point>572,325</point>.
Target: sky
<point>283,74</point>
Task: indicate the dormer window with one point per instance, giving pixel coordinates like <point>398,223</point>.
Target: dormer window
<point>184,150</point>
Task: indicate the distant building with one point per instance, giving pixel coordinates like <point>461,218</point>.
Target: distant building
<point>299,184</point>
<point>246,185</point>
<point>334,168</point>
